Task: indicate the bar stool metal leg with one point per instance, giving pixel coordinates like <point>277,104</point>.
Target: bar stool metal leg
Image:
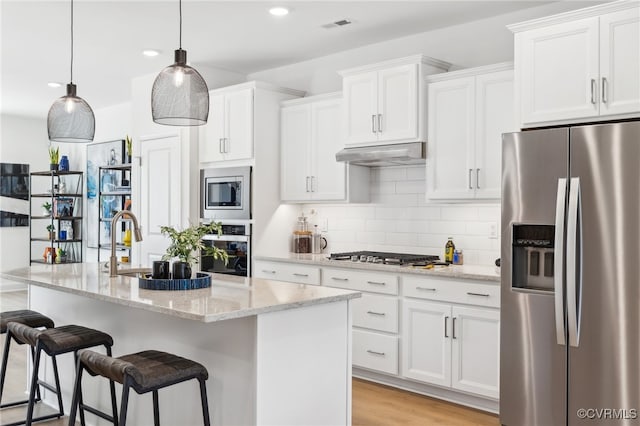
<point>5,358</point>
<point>205,403</point>
<point>77,390</point>
<point>125,402</point>
<point>156,410</point>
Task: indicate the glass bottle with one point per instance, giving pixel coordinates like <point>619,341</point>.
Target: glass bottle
<point>448,250</point>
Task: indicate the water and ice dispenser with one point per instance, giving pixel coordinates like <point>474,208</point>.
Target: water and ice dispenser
<point>533,257</point>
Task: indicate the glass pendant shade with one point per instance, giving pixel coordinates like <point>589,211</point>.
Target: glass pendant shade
<point>71,119</point>
<point>180,96</point>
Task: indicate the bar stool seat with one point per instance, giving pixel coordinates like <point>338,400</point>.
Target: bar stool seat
<point>25,316</point>
<point>53,342</point>
<point>145,371</point>
<point>32,319</point>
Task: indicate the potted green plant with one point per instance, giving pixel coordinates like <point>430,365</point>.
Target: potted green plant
<point>186,244</point>
<point>46,208</point>
<point>129,146</point>
<point>52,231</point>
<point>54,154</point>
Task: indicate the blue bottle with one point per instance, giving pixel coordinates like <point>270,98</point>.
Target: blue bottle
<point>64,164</point>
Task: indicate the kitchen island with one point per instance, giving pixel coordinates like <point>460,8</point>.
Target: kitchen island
<point>277,353</point>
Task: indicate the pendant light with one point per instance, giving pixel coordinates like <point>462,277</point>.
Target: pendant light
<point>70,118</point>
<point>180,96</point>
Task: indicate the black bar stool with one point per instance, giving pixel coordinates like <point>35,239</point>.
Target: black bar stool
<point>145,371</point>
<point>32,319</point>
<point>57,341</point>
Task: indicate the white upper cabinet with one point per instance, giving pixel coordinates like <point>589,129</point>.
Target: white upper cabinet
<point>468,111</point>
<point>228,134</point>
<point>385,103</point>
<point>311,135</point>
<point>579,66</point>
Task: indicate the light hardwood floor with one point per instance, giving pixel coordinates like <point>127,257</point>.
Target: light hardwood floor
<point>373,404</point>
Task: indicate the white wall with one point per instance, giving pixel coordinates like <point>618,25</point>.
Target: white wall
<point>471,44</point>
<point>22,140</point>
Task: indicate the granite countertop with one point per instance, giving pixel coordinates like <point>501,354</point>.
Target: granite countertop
<point>228,297</point>
<point>471,272</point>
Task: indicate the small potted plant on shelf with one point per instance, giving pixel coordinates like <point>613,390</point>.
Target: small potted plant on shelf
<point>53,157</point>
<point>186,244</point>
<point>129,146</point>
<point>52,231</point>
<point>46,208</point>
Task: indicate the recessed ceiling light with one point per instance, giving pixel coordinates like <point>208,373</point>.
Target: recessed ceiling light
<point>279,11</point>
<point>54,84</point>
<point>150,52</point>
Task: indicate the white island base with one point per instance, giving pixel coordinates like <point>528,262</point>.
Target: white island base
<point>290,366</point>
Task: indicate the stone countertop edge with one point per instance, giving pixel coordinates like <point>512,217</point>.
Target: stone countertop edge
<point>470,272</point>
<point>206,318</point>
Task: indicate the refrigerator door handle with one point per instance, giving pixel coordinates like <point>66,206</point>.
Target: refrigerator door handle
<point>574,262</point>
<point>558,261</point>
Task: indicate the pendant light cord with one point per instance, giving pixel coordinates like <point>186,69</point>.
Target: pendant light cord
<point>180,24</point>
<point>71,41</point>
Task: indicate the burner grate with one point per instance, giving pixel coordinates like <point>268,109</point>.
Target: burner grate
<point>384,257</point>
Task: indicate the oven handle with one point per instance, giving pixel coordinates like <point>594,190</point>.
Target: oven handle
<point>215,237</point>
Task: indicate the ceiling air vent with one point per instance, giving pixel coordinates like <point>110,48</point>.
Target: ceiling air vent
<point>336,24</point>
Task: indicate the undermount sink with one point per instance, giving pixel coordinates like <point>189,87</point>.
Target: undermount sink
<point>135,272</point>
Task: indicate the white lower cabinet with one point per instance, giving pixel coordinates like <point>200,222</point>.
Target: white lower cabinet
<point>452,346</point>
<point>290,272</point>
<point>375,351</point>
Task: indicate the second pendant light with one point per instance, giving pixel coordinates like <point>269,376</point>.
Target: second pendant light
<point>180,96</point>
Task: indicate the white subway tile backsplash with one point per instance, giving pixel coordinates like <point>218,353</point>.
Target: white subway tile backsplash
<point>400,219</point>
<point>410,187</point>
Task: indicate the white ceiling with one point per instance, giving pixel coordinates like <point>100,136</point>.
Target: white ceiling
<point>235,35</point>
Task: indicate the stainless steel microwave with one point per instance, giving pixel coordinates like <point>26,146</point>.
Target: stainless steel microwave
<point>225,193</point>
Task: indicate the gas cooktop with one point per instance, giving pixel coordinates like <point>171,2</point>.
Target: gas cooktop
<point>385,258</point>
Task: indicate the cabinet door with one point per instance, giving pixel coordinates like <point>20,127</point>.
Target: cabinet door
<point>295,147</point>
<point>450,156</point>
<point>328,177</point>
<point>398,104</point>
<point>239,125</point>
<point>475,365</point>
<point>360,106</point>
<point>558,71</point>
<point>620,62</point>
<point>426,342</point>
<point>494,116</point>
<point>210,136</point>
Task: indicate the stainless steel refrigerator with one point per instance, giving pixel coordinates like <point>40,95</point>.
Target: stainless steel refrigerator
<point>570,327</point>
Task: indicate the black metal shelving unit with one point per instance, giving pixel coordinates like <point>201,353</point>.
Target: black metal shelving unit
<point>62,212</point>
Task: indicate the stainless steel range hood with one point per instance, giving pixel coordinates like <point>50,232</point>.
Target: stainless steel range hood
<point>385,155</point>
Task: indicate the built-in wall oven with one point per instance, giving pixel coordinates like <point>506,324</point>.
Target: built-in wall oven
<point>225,193</point>
<point>236,241</point>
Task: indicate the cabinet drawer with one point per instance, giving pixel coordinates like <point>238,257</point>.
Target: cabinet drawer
<point>290,272</point>
<point>361,281</point>
<point>451,290</point>
<point>376,312</point>
<point>375,351</point>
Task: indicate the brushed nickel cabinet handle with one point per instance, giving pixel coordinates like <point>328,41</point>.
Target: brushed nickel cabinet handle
<point>604,90</point>
<point>220,146</point>
<point>339,279</point>
<point>307,183</point>
<point>470,171</point>
<point>477,178</point>
<point>295,274</point>
<point>268,272</point>
<point>477,294</point>
<point>425,289</point>
<point>593,91</point>
<point>453,327</point>
<point>312,179</point>
<point>380,123</point>
<point>380,314</point>
<point>446,321</point>
<point>375,352</point>
<point>373,123</point>
<point>376,283</point>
